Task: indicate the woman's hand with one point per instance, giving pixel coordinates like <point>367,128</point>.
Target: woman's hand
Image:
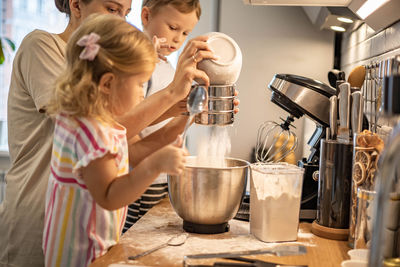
<point>177,109</point>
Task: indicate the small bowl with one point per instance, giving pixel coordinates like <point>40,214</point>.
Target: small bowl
<point>226,69</point>
<point>358,254</point>
<point>354,263</point>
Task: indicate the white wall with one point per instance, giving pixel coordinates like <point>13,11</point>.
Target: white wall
<point>273,40</point>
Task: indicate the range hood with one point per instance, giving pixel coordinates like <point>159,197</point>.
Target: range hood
<point>299,2</point>
<point>377,14</point>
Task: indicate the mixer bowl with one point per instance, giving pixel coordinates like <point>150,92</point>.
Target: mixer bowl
<point>208,196</point>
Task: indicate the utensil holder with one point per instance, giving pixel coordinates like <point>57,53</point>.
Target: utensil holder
<point>334,190</point>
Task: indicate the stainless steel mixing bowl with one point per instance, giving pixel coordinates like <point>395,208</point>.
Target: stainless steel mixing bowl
<point>208,196</point>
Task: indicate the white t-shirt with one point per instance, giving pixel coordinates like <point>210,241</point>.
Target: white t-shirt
<point>37,64</point>
<point>162,76</point>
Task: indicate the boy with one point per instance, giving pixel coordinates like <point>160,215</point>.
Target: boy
<point>171,20</point>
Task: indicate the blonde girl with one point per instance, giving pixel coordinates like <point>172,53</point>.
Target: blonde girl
<point>89,188</point>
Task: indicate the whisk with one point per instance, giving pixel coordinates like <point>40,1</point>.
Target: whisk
<point>268,136</point>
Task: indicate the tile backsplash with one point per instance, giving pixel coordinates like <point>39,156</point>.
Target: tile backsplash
<point>363,46</point>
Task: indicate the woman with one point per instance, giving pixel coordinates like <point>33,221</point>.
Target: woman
<point>38,62</point>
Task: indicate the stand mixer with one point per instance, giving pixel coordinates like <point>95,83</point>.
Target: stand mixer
<point>304,96</point>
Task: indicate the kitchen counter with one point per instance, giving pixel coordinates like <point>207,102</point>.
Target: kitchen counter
<point>161,223</point>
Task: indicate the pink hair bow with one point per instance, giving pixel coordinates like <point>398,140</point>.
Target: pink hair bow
<point>91,47</point>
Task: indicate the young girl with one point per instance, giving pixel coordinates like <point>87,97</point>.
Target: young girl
<point>89,188</point>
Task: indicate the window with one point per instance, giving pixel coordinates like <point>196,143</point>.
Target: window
<point>18,18</point>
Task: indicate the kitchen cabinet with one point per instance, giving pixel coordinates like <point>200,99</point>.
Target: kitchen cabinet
<point>161,223</point>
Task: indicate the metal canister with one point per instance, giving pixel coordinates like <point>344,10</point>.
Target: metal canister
<point>220,106</point>
<point>391,262</point>
<point>334,184</point>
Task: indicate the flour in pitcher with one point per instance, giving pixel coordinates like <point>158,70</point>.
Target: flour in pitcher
<point>213,149</point>
<point>276,219</point>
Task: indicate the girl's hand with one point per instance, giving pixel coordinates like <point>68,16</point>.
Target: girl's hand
<point>158,44</point>
<point>170,159</point>
<point>195,51</point>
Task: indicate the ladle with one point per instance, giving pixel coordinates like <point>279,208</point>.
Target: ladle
<point>173,241</point>
<point>357,76</point>
<point>196,103</point>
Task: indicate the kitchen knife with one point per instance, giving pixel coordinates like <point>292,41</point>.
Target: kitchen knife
<point>344,113</point>
<point>252,262</point>
<point>278,251</point>
<point>333,117</point>
<point>357,112</point>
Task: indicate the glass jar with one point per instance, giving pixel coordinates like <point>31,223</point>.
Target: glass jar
<point>367,148</point>
<point>363,225</point>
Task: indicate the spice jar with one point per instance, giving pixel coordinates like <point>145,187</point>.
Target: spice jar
<point>367,148</point>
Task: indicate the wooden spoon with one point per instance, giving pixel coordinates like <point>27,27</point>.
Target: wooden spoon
<point>357,76</point>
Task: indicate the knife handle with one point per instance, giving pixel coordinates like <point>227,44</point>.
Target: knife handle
<point>333,116</point>
<point>357,112</point>
<point>344,105</point>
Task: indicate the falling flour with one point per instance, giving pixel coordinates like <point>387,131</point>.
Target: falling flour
<point>213,149</point>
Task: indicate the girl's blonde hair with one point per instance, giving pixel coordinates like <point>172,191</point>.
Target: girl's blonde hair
<point>183,6</point>
<point>124,50</point>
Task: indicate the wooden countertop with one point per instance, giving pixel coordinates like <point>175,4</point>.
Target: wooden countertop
<point>161,223</point>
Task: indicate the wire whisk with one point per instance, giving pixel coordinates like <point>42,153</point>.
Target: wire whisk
<point>275,141</point>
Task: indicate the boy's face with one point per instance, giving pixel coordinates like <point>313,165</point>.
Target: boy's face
<point>169,23</point>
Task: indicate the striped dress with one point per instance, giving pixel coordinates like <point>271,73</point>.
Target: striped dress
<point>76,229</point>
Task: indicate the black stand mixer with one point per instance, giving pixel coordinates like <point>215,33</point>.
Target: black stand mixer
<point>304,96</point>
